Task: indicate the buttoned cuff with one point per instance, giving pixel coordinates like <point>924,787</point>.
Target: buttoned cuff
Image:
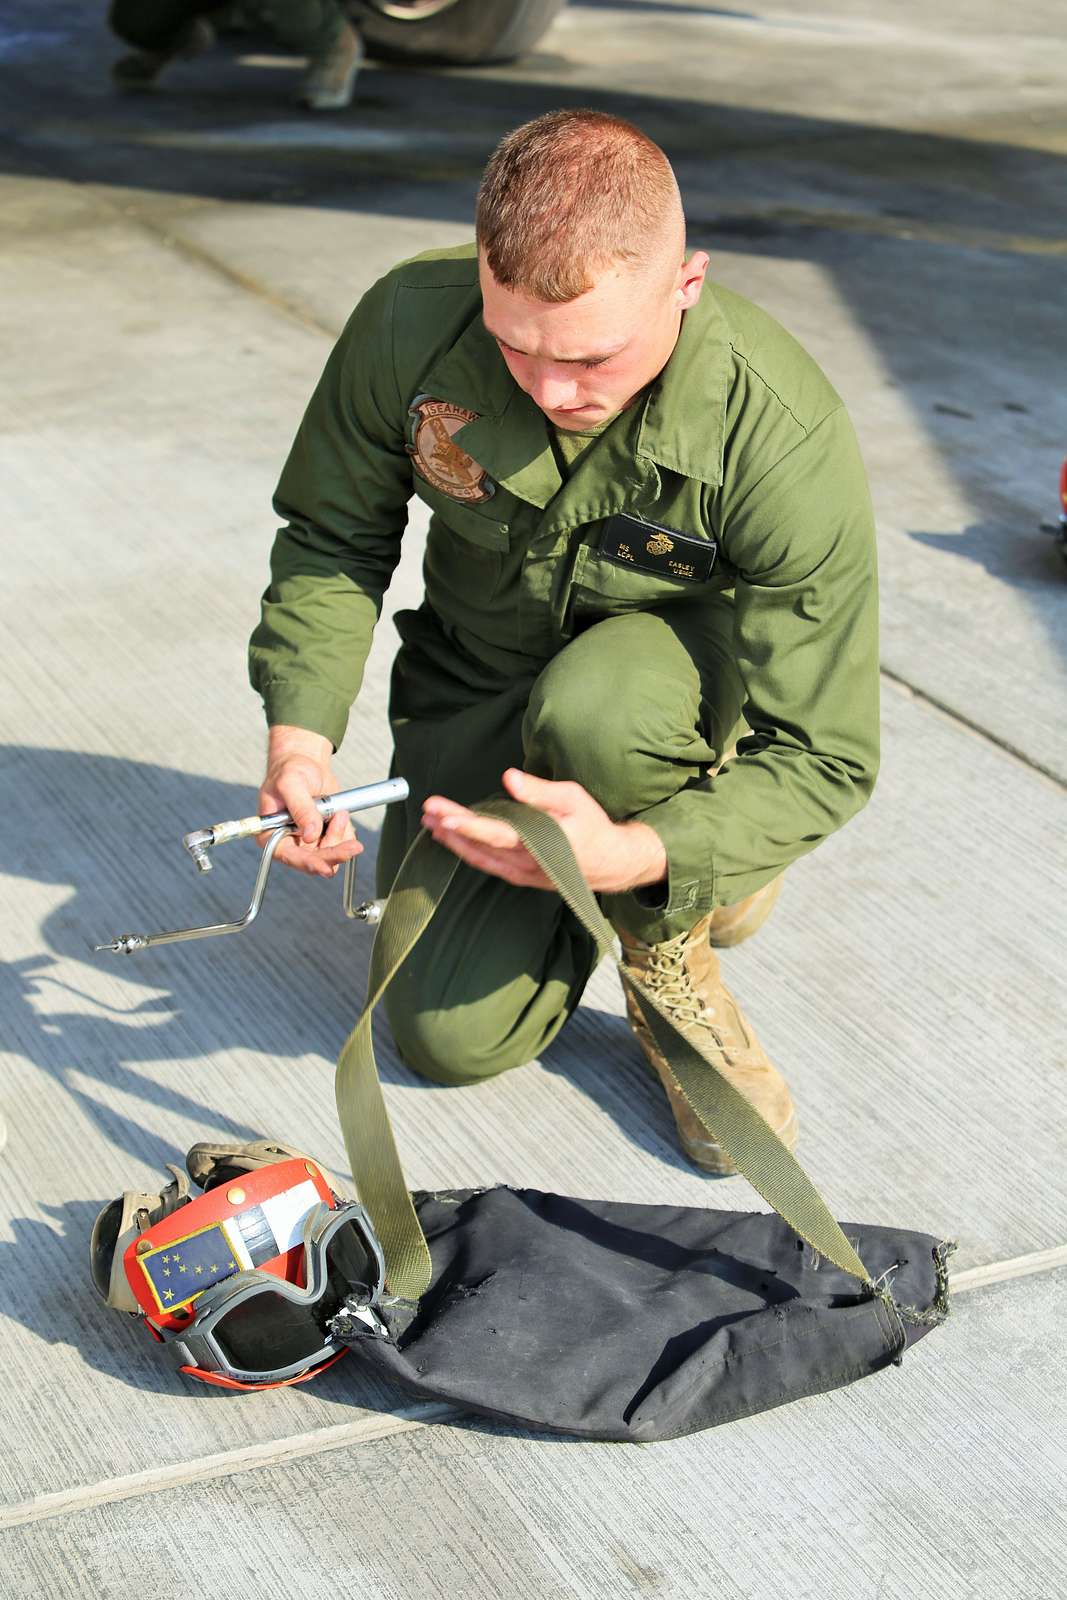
<point>690,888</point>
<point>300,706</point>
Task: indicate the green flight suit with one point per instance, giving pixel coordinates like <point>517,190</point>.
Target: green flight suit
<point>542,643</point>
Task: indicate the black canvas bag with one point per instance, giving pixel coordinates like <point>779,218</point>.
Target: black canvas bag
<point>616,1320</point>
<point>641,1322</point>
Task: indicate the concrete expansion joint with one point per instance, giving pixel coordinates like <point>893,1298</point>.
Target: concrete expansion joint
<point>238,280</point>
<point>162,231</point>
<point>1004,1271</point>
<point>371,1427</point>
<point>1058,779</point>
<point>226,1464</point>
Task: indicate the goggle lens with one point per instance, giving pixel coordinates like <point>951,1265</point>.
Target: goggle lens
<point>350,1266</point>
<point>268,1332</point>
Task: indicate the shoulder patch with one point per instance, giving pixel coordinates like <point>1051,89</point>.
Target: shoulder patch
<point>434,455</point>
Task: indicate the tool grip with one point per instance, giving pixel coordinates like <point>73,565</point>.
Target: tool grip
<point>328,805</point>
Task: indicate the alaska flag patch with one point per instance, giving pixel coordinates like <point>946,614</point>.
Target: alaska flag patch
<point>178,1272</point>
<point>670,554</point>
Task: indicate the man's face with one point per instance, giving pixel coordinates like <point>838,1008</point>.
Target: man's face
<point>584,360</point>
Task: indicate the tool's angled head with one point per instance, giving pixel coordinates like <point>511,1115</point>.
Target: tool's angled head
<point>124,945</point>
<point>198,844</point>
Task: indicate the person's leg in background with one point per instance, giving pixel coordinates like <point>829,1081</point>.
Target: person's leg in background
<point>161,31</point>
<point>320,30</point>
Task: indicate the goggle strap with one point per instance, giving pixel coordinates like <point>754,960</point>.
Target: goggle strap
<point>137,1213</point>
<point>220,1380</point>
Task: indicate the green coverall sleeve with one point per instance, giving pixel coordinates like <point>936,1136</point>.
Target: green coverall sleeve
<point>806,643</point>
<point>343,494</point>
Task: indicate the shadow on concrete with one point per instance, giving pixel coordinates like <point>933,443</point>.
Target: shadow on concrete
<point>110,831</point>
<point>416,140</point>
<point>1024,558</point>
<point>129,873</point>
<point>597,1053</point>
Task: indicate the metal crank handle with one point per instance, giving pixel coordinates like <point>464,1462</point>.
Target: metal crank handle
<point>127,943</point>
<point>278,825</point>
<point>201,840</point>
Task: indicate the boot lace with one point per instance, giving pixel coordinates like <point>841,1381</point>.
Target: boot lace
<point>667,975</point>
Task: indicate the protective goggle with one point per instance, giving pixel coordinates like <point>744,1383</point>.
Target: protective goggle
<point>252,1283</point>
<point>254,1330</point>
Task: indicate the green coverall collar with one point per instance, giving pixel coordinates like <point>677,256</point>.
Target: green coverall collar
<point>683,416</point>
<point>683,422</point>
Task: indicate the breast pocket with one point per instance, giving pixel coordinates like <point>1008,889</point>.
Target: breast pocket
<point>601,587</point>
<point>465,552</point>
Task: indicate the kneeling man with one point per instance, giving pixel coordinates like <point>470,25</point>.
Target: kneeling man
<point>650,605</point>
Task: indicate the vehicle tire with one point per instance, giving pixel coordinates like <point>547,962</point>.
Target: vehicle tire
<point>457,32</point>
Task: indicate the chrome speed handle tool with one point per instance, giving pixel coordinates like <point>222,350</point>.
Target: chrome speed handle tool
<point>278,825</point>
<point>201,840</point>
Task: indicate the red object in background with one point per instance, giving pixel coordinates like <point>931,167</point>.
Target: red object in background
<point>255,1222</point>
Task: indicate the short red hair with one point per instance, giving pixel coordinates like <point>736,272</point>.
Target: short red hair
<point>568,194</point>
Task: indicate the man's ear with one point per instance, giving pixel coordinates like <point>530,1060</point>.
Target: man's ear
<point>691,279</point>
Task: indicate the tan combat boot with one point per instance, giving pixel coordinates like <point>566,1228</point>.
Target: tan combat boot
<point>729,925</point>
<point>330,79</point>
<point>684,975</point>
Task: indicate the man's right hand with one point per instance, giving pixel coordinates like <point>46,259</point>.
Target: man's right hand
<point>298,769</point>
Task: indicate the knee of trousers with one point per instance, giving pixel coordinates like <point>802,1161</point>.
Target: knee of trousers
<point>453,1046</point>
<point>613,723</point>
<point>128,22</point>
<point>309,26</point>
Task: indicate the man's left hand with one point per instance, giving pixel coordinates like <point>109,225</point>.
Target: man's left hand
<point>613,856</point>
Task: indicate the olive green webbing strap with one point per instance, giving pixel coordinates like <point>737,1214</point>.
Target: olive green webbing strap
<point>732,1121</point>
<point>417,891</point>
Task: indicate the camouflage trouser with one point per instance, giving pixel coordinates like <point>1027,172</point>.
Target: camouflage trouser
<point>307,26</point>
<point>634,709</point>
